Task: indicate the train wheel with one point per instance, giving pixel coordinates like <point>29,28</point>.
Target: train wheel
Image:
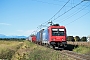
<point>42,44</point>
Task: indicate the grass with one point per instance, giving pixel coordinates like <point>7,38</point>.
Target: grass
<point>8,48</point>
<point>82,50</point>
<point>15,50</point>
<point>32,51</point>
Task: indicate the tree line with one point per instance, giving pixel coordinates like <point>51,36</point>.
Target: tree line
<point>76,38</point>
<point>13,39</point>
<point>69,38</point>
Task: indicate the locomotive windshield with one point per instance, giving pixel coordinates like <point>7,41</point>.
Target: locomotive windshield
<point>58,32</point>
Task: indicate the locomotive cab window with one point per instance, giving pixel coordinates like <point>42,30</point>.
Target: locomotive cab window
<point>58,32</point>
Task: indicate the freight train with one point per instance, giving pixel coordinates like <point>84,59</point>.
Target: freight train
<point>53,36</point>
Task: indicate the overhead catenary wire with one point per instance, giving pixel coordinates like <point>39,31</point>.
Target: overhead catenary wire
<point>64,1</point>
<point>65,12</point>
<point>76,12</point>
<point>61,14</point>
<point>53,15</point>
<point>68,10</point>
<point>57,12</point>
<point>78,18</point>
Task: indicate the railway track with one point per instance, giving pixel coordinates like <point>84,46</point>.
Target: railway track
<point>75,55</point>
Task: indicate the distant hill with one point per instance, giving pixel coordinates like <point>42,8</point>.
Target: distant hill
<point>4,36</point>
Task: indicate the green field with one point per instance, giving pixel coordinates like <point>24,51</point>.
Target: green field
<point>82,50</point>
<point>82,47</point>
<point>25,50</point>
<point>8,49</point>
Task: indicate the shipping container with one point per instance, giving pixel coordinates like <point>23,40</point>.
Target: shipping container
<point>45,36</point>
<point>30,38</point>
<point>40,35</point>
<point>37,36</point>
<point>33,38</point>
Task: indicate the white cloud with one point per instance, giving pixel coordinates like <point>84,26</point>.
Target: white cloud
<point>25,32</point>
<point>4,24</point>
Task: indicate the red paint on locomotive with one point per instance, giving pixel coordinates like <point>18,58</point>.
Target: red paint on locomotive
<point>57,38</point>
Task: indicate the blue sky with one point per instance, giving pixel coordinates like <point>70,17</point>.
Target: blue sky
<point>21,17</point>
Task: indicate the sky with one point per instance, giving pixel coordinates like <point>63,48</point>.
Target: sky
<point>22,17</point>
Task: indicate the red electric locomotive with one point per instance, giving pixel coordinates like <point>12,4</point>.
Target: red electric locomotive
<point>55,36</point>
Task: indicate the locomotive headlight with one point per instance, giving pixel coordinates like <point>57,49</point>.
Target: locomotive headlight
<point>62,39</point>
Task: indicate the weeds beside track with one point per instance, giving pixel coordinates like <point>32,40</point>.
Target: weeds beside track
<point>74,55</point>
